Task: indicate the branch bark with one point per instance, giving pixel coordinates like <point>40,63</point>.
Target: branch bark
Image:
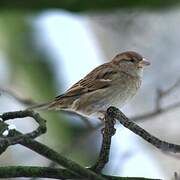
<point>47,172</point>
<point>19,138</point>
<point>73,169</point>
<point>15,137</point>
<point>163,145</point>
<point>107,132</point>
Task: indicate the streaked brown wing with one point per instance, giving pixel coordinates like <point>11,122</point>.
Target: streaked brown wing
<point>99,78</point>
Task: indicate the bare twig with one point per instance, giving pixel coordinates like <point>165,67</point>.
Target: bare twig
<point>163,93</point>
<point>107,132</point>
<point>170,89</point>
<point>15,139</point>
<point>22,100</point>
<point>137,118</point>
<point>164,146</point>
<point>27,141</point>
<point>176,176</point>
<point>112,113</point>
<point>30,102</point>
<point>156,112</point>
<point>73,168</point>
<point>159,97</point>
<point>76,169</point>
<point>47,172</point>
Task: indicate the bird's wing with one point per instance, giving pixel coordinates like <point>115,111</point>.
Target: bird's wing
<point>99,78</point>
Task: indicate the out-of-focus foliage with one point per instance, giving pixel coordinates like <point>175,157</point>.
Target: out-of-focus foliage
<point>31,72</point>
<point>79,5</point>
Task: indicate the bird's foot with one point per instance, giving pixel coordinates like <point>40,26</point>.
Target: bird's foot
<point>102,116</point>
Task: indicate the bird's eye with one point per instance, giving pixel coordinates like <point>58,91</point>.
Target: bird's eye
<point>132,60</point>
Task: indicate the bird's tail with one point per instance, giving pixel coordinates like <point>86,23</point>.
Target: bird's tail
<point>43,106</point>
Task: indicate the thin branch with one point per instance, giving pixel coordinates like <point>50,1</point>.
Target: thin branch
<point>107,132</point>
<point>170,89</point>
<point>137,118</point>
<point>158,109</point>
<point>163,93</point>
<point>15,138</point>
<point>115,113</point>
<point>30,102</point>
<point>35,171</point>
<point>25,140</point>
<point>47,172</point>
<point>156,112</point>
<point>77,142</point>
<point>58,158</point>
<point>73,168</point>
<point>22,100</point>
<point>159,97</point>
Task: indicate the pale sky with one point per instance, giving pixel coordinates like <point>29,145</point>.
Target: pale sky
<point>72,45</point>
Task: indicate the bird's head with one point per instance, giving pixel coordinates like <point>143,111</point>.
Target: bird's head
<point>130,62</point>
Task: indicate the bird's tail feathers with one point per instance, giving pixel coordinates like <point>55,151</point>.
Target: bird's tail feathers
<point>39,107</point>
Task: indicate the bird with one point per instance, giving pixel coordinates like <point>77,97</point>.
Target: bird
<point>111,84</point>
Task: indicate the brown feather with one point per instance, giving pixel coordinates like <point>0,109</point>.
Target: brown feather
<point>96,79</point>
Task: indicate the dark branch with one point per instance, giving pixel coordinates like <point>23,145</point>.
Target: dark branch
<point>35,171</point>
<point>22,100</point>
<point>74,169</point>
<point>168,91</point>
<point>47,172</point>
<point>58,158</point>
<point>27,141</point>
<point>107,132</point>
<point>164,146</point>
<point>15,137</point>
<point>156,112</point>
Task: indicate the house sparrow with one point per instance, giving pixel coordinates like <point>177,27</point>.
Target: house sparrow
<point>110,84</point>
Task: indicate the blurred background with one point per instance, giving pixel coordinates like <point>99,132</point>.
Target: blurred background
<point>47,46</point>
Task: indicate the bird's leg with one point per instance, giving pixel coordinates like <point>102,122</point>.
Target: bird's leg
<point>102,116</point>
<point>102,119</point>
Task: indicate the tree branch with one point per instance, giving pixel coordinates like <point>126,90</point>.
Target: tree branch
<point>35,171</point>
<point>115,113</point>
<point>156,112</point>
<point>73,170</point>
<point>25,140</point>
<point>15,137</point>
<point>22,100</point>
<point>107,132</point>
<point>47,172</point>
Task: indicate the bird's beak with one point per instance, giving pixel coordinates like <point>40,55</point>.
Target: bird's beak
<point>143,63</point>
